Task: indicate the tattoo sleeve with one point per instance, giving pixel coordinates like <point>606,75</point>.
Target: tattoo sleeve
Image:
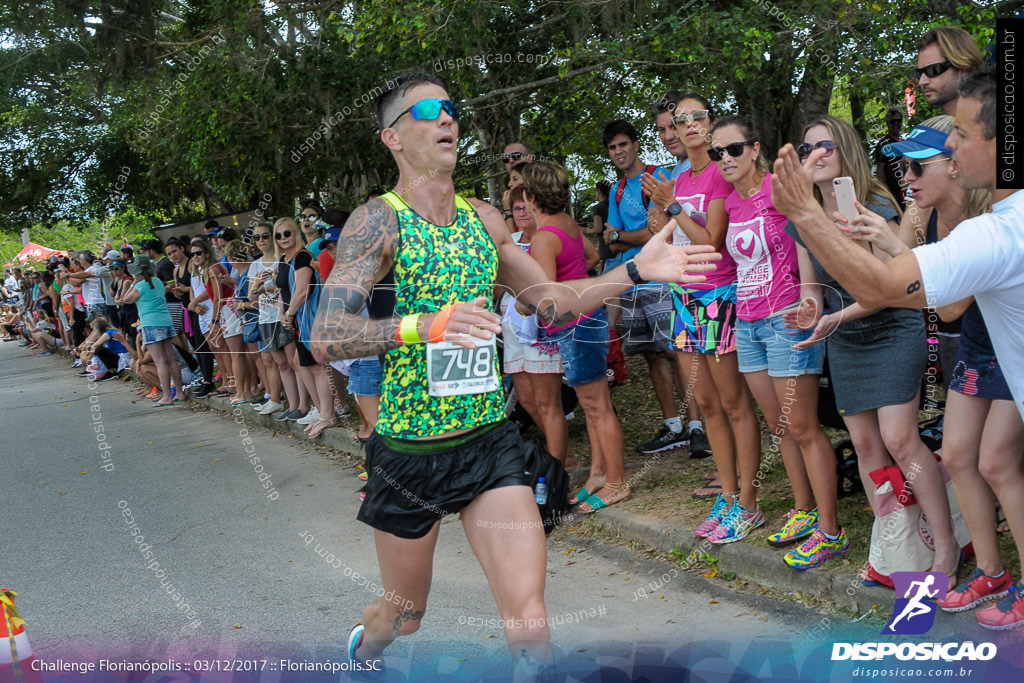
<point>365,252</point>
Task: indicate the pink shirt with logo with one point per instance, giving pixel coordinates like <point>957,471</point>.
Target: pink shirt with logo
<point>767,269</point>
<point>699,192</point>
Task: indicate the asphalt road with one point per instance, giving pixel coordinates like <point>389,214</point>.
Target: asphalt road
<point>268,573</point>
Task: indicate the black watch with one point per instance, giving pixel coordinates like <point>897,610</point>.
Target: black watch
<point>634,273</point>
<point>506,214</point>
<point>673,210</point>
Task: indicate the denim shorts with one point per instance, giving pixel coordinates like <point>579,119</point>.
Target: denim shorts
<point>584,348</point>
<point>767,344</point>
<point>151,335</point>
<point>365,377</point>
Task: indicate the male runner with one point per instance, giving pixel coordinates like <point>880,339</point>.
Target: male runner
<point>442,443</point>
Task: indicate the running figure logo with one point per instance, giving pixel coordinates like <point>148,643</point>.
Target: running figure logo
<point>915,611</point>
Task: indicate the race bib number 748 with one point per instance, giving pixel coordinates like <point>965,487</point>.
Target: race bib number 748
<point>453,370</point>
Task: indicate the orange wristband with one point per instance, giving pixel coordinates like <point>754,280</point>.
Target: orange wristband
<point>440,322</point>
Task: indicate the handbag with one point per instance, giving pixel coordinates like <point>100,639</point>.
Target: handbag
<point>540,463</point>
<point>901,537</point>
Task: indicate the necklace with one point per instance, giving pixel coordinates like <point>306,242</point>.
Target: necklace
<point>695,173</point>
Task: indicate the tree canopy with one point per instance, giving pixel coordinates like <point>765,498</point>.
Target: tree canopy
<point>164,108</point>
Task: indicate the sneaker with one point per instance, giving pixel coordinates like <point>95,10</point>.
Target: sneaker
<point>977,589</point>
<point>664,441</point>
<point>342,412</point>
<point>360,670</point>
<point>700,447</point>
<point>719,510</point>
<point>154,393</point>
<point>1007,613</point>
<point>197,381</point>
<point>83,373</point>
<point>77,363</point>
<point>799,524</point>
<point>45,353</point>
<point>290,415</point>
<point>203,391</point>
<point>737,525</point>
<point>259,402</point>
<point>270,407</point>
<point>816,549</point>
<point>312,415</point>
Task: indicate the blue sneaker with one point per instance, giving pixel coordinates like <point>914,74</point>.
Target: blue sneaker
<point>362,670</point>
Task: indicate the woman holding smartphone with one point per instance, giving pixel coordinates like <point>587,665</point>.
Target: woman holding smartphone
<point>877,357</point>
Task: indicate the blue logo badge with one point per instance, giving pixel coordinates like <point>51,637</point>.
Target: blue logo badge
<point>915,608</point>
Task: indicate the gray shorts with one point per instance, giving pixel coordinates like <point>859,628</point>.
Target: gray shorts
<point>647,319</point>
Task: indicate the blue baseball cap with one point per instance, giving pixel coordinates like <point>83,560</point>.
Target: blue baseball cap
<point>332,235</point>
<point>923,142</point>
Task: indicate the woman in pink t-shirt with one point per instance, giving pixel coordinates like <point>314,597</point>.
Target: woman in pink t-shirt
<point>773,275</point>
<point>704,331</point>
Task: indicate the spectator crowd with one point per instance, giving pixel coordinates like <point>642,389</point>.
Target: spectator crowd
<point>231,315</point>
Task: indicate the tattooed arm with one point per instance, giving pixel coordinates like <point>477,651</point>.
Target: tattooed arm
<point>560,303</point>
<point>365,252</point>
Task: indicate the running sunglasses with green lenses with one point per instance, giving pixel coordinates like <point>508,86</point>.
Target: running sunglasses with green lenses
<point>428,110</point>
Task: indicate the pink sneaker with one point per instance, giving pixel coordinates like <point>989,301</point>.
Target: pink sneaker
<point>718,512</point>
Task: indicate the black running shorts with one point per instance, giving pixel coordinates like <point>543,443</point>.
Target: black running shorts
<point>414,483</point>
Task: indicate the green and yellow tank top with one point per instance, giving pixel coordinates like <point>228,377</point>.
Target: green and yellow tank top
<point>435,265</point>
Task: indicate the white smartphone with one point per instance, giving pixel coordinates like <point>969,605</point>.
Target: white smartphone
<point>845,197</point>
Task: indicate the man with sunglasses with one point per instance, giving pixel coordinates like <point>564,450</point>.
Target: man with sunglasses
<point>944,54</point>
<point>442,444</point>
<point>983,257</point>
<point>515,153</point>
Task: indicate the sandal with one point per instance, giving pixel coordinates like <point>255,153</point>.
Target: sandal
<point>319,426</point>
<point>709,490</point>
<point>1002,526</point>
<point>582,496</point>
<point>596,503</point>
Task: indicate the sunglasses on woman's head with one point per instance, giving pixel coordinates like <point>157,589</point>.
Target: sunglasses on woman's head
<point>695,115</point>
<point>734,150</point>
<point>933,70</point>
<point>283,235</point>
<point>261,236</point>
<point>804,149</point>
<point>917,167</point>
<point>428,110</point>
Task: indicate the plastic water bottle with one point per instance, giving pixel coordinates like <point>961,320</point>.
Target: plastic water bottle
<point>540,494</point>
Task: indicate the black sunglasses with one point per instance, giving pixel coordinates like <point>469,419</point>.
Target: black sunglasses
<point>197,253</point>
<point>512,156</point>
<point>734,149</point>
<point>283,235</point>
<point>261,236</point>
<point>933,70</point>
<point>804,149</point>
<point>917,167</point>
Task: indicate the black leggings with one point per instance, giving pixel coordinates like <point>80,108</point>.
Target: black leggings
<point>78,333</point>
<point>108,357</point>
<point>203,353</point>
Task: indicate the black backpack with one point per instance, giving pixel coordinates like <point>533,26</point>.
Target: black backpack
<point>540,463</point>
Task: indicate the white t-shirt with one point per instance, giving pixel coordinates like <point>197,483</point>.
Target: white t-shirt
<point>92,288</point>
<point>984,256</point>
<point>11,284</point>
<point>268,303</point>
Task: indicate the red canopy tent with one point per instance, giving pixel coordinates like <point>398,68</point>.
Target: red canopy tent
<point>37,252</point>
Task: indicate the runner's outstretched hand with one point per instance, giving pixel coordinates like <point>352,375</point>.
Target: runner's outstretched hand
<point>660,261</point>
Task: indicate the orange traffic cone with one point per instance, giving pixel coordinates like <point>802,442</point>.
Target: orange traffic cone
<point>15,651</point>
